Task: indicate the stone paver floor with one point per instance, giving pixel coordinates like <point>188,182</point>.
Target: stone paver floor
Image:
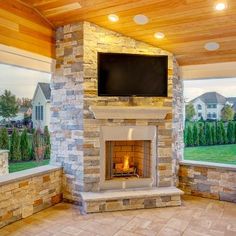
<point>196,216</point>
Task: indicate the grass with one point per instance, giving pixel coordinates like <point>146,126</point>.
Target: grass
<point>225,154</point>
<point>18,166</point>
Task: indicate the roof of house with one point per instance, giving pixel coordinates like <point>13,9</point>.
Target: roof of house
<point>232,99</point>
<point>212,97</point>
<point>45,87</point>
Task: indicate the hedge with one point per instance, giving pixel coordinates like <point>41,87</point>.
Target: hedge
<point>201,133</point>
<point>22,146</point>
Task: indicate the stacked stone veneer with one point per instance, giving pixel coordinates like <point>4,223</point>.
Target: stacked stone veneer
<point>24,196</point>
<point>208,181</point>
<point>4,162</point>
<point>75,131</point>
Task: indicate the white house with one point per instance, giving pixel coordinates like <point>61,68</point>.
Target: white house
<point>41,106</point>
<point>209,106</point>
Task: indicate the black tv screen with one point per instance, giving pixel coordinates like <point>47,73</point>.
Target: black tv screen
<point>132,75</point>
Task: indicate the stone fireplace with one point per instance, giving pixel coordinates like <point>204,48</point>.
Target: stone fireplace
<point>117,152</point>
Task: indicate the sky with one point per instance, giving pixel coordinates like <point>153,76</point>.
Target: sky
<point>194,88</point>
<point>20,81</point>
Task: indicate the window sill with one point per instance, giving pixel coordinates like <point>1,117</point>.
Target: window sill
<point>25,174</point>
<point>208,165</point>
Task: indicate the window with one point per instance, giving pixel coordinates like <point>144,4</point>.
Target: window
<point>209,116</point>
<point>214,115</point>
<point>211,105</point>
<point>199,114</point>
<point>38,112</point>
<point>199,107</point>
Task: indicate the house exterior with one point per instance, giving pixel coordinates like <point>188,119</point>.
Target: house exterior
<point>41,106</point>
<point>209,105</point>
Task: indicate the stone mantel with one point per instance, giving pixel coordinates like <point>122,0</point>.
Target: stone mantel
<point>130,112</point>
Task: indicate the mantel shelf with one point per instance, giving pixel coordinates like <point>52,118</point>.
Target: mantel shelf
<point>130,112</point>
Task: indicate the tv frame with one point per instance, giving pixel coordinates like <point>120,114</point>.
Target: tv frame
<point>128,95</point>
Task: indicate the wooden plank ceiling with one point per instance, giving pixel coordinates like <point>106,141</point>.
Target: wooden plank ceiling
<point>187,24</point>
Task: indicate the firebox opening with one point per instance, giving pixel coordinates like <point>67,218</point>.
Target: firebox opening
<point>128,159</point>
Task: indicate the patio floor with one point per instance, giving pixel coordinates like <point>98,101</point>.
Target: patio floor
<point>196,216</point>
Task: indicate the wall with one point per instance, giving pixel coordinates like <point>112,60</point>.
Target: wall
<point>24,28</point>
<point>215,181</point>
<point>4,162</point>
<point>27,192</point>
<point>75,132</point>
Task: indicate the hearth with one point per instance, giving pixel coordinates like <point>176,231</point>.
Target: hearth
<point>128,159</point>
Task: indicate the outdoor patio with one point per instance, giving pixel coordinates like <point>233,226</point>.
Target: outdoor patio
<point>196,216</point>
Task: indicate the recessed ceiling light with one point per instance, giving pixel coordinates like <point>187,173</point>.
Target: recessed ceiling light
<point>141,19</point>
<point>220,6</point>
<point>159,35</point>
<point>212,46</point>
<point>113,17</point>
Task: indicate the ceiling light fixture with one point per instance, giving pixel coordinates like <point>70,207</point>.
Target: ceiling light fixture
<point>159,35</point>
<point>212,46</point>
<point>113,17</point>
<point>220,6</point>
<point>141,19</point>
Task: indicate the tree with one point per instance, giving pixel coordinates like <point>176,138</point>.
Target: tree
<point>195,134</point>
<point>24,146</point>
<point>202,137</point>
<point>190,111</point>
<point>230,132</point>
<point>15,153</point>
<point>4,139</point>
<point>227,113</point>
<point>189,136</point>
<point>213,133</point>
<point>223,133</point>
<point>8,105</point>
<point>209,140</point>
<point>219,135</point>
<point>47,143</point>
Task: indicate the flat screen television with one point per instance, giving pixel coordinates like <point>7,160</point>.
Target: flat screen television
<point>132,75</point>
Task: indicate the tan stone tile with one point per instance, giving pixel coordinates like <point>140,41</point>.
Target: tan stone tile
<point>177,224</point>
<point>165,231</point>
<point>125,233</point>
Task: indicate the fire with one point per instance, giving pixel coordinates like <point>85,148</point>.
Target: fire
<point>126,163</point>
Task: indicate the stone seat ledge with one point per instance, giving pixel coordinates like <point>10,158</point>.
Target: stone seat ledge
<point>25,174</point>
<point>131,193</point>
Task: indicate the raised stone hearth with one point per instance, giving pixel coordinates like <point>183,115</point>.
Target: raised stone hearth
<point>131,199</point>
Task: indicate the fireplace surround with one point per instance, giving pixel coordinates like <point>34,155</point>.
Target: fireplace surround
<point>137,143</point>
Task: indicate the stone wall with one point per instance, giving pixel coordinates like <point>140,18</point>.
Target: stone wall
<point>4,162</point>
<point>75,131</point>
<point>208,181</point>
<point>27,192</point>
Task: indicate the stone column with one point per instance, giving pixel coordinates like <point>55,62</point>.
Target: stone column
<point>4,170</point>
<point>67,108</point>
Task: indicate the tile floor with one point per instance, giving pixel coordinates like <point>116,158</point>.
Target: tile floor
<point>196,216</point>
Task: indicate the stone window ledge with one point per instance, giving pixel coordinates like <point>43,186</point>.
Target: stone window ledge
<point>208,165</point>
<point>25,174</point>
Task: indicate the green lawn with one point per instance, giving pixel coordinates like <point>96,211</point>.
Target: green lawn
<point>17,166</point>
<point>219,154</point>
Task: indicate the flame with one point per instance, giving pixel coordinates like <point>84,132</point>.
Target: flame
<point>126,163</point>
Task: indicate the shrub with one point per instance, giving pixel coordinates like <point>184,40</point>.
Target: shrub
<point>24,146</point>
<point>47,143</point>
<point>38,145</point>
<point>195,134</point>
<point>213,133</point>
<point>15,154</point>
<point>219,135</point>
<point>230,132</point>
<point>4,139</point>
<point>202,137</point>
<point>189,136</point>
<point>209,140</point>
